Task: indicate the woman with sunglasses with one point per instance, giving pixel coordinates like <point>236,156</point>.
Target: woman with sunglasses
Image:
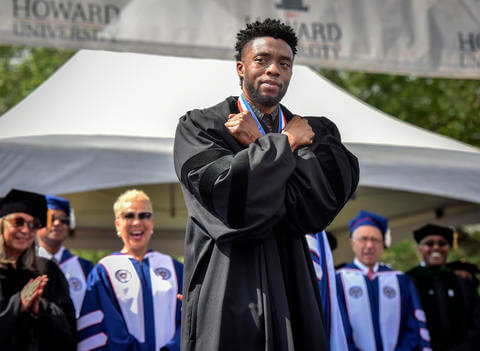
<point>451,303</point>
<point>36,312</point>
<point>131,300</point>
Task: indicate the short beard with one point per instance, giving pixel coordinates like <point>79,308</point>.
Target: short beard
<point>262,100</point>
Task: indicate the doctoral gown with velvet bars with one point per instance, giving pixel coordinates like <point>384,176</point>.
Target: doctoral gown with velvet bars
<point>452,307</point>
<point>249,283</point>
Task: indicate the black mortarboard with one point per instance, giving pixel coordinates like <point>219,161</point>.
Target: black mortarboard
<point>24,201</point>
<point>433,229</point>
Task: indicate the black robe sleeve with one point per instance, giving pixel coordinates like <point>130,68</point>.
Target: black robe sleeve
<point>9,315</point>
<point>55,326</point>
<point>325,177</point>
<point>250,189</point>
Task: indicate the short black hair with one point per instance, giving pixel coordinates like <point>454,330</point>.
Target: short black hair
<point>268,28</point>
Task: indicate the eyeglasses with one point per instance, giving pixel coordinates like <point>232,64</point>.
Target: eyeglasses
<point>365,239</point>
<point>142,216</point>
<point>62,219</point>
<point>431,243</point>
<point>19,222</point>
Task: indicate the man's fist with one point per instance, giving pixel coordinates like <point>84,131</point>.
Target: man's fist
<point>299,133</point>
<point>243,128</point>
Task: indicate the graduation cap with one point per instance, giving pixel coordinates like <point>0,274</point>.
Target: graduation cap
<point>24,201</point>
<point>372,219</point>
<point>433,229</point>
<point>59,203</point>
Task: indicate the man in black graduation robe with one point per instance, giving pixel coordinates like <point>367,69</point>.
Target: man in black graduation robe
<point>451,303</point>
<point>249,282</point>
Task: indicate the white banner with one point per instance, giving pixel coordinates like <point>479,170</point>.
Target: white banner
<point>422,37</point>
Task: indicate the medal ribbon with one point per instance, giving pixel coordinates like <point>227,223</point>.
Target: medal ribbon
<point>244,106</point>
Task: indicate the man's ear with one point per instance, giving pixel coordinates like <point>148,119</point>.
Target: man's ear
<point>240,69</point>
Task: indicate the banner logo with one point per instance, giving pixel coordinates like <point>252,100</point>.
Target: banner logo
<point>469,47</point>
<point>62,19</point>
<point>316,40</point>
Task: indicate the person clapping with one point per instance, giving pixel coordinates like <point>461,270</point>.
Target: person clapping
<point>36,312</point>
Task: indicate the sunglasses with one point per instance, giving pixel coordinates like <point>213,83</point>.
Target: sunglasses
<point>143,216</point>
<point>19,222</point>
<point>431,243</point>
<point>62,219</point>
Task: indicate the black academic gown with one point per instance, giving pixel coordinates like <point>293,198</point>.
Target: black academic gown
<point>249,282</point>
<point>452,308</point>
<point>55,326</point>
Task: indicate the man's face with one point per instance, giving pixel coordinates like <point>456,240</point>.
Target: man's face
<point>58,232</point>
<point>434,250</point>
<point>266,69</point>
<point>367,244</point>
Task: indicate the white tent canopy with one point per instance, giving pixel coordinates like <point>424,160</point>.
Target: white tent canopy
<point>108,119</point>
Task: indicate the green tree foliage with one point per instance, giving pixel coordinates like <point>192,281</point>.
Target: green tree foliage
<point>402,255</point>
<point>91,255</point>
<point>447,106</point>
<point>22,69</point>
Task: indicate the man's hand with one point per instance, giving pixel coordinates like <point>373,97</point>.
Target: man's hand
<point>243,128</point>
<point>299,132</point>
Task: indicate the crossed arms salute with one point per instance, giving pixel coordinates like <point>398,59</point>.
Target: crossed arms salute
<point>244,129</point>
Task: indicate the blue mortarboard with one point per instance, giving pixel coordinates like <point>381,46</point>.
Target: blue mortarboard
<point>58,203</point>
<point>368,218</point>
